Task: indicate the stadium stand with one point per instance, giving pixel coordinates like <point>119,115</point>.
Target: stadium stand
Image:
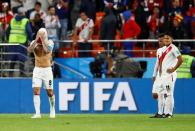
<point>153,17</point>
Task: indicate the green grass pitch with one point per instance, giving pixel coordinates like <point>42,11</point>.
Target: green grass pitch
<point>91,122</point>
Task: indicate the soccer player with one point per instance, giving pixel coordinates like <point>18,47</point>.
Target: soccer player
<point>42,73</point>
<point>155,93</point>
<point>168,60</point>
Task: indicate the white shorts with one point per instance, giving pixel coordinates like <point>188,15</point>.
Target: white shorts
<point>43,75</point>
<point>164,85</point>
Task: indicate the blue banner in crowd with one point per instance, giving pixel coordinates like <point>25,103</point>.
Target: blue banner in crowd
<point>94,96</point>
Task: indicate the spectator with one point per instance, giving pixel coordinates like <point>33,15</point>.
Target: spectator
<point>89,7</point>
<point>15,4</point>
<point>108,28</point>
<point>188,19</point>
<point>52,25</point>
<point>131,30</point>
<point>186,68</point>
<point>19,31</point>
<point>36,24</point>
<point>62,13</point>
<point>154,22</point>
<point>140,18</point>
<point>155,3</point>
<point>84,27</point>
<point>39,11</point>
<point>175,8</point>
<point>74,10</point>
<point>187,4</point>
<point>177,29</point>
<point>109,3</point>
<point>28,4</point>
<point>5,18</point>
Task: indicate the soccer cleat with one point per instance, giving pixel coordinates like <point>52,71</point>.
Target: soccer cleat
<point>52,113</point>
<point>36,116</point>
<point>168,116</point>
<point>157,116</point>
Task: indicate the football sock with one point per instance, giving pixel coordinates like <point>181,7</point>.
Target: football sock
<point>169,104</point>
<point>37,103</point>
<point>52,101</point>
<point>160,104</point>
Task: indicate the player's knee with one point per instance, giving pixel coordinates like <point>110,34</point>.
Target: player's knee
<point>36,91</point>
<point>50,93</point>
<point>155,96</point>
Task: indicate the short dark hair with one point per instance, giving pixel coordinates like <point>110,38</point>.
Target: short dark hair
<point>161,35</point>
<point>165,33</point>
<point>83,11</point>
<point>38,3</point>
<point>169,34</point>
<point>51,6</point>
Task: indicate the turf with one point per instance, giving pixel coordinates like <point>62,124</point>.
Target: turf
<point>88,122</point>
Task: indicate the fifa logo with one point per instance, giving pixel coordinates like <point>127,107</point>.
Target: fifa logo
<point>96,96</point>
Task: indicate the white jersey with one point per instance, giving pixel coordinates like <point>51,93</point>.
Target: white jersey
<point>158,52</point>
<point>84,27</point>
<point>167,56</point>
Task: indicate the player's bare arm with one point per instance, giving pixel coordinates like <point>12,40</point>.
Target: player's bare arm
<point>179,62</point>
<point>31,46</point>
<point>75,35</point>
<point>42,48</point>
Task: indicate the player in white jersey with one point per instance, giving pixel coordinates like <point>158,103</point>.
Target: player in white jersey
<point>42,73</point>
<point>168,60</point>
<point>155,90</point>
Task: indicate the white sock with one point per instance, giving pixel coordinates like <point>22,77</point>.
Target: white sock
<point>160,103</point>
<point>52,102</point>
<point>169,104</point>
<point>37,104</point>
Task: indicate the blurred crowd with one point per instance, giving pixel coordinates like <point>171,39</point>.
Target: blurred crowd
<point>99,19</point>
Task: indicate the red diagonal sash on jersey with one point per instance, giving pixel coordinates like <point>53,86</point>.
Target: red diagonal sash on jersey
<point>84,25</point>
<point>162,58</point>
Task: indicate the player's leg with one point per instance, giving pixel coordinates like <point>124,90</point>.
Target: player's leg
<point>169,105</point>
<point>51,96</point>
<point>48,82</point>
<point>37,84</point>
<point>161,101</point>
<point>158,96</point>
<point>36,100</point>
<point>169,101</point>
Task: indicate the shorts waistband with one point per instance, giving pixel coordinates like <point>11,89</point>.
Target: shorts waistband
<point>42,67</point>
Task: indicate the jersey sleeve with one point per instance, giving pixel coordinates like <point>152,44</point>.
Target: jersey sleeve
<point>176,52</point>
<point>91,23</point>
<point>78,23</point>
<point>156,65</point>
